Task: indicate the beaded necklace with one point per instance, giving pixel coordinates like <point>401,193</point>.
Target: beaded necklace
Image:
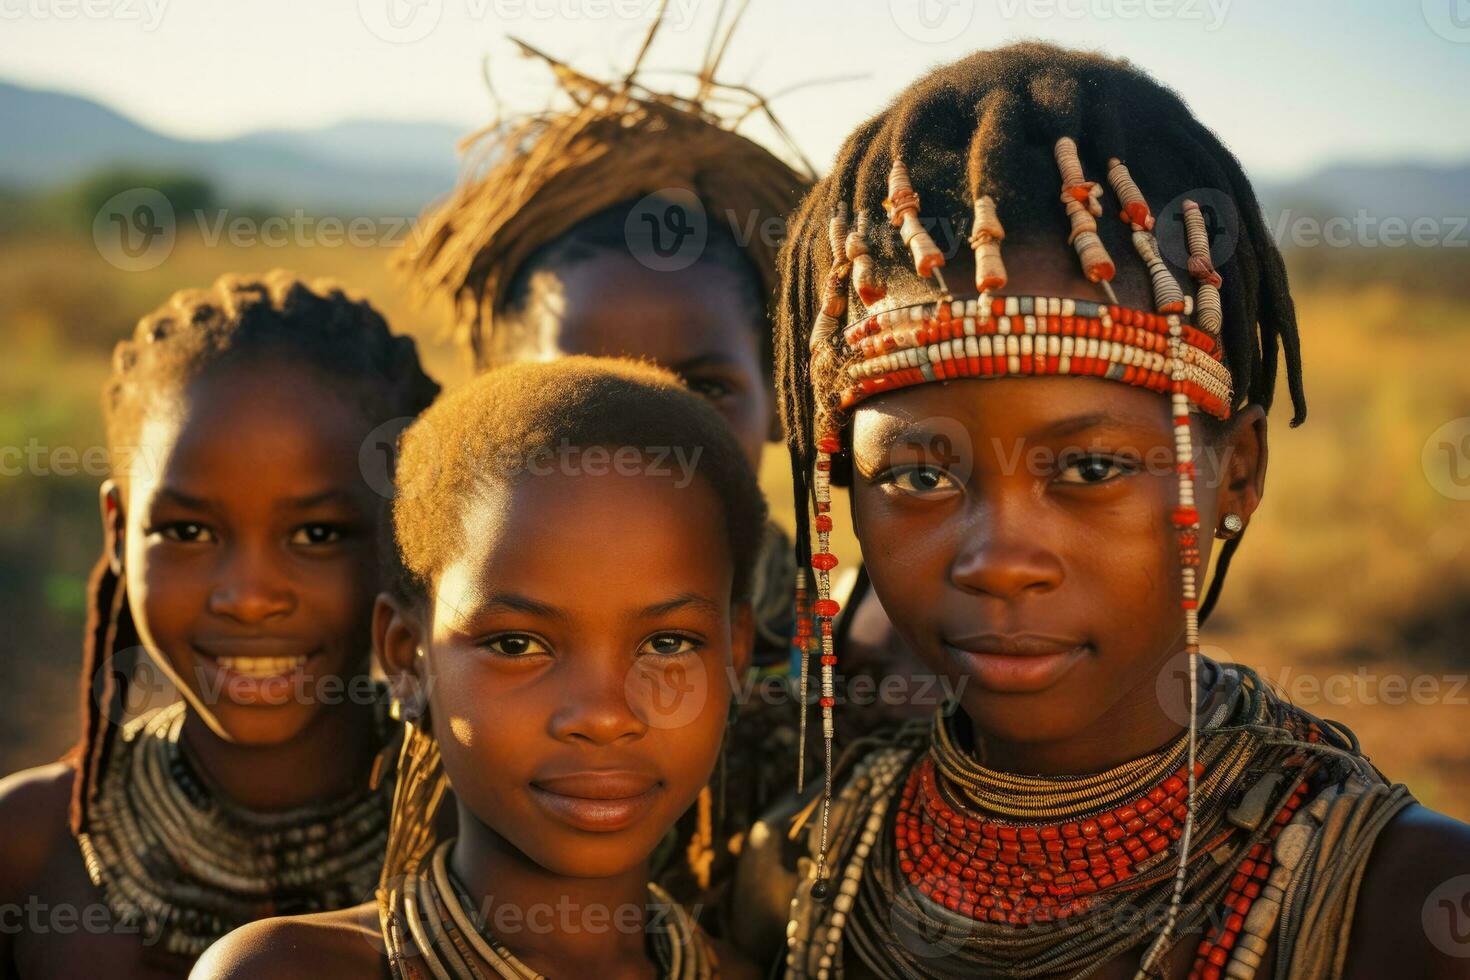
<point>449,943</point>
<point>949,869</point>
<point>187,866</point>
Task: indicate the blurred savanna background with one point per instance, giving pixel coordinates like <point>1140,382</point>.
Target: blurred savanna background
<point>1352,589</point>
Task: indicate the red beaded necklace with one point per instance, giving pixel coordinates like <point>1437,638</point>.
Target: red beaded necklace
<point>1034,872</point>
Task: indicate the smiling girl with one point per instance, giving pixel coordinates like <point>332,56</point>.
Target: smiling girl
<point>578,539</point>
<point>1104,801</point>
<point>242,556</point>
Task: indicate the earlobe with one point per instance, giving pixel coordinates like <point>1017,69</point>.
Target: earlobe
<point>1245,469</point>
<point>114,524</point>
<point>398,644</point>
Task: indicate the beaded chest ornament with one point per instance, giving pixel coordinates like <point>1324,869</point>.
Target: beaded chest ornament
<point>1174,349</point>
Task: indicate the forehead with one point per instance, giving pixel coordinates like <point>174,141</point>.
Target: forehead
<point>576,538</point>
<point>965,411</point>
<point>257,427</point>
<point>610,304</point>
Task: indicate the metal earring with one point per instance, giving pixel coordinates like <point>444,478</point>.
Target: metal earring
<point>1231,525</point>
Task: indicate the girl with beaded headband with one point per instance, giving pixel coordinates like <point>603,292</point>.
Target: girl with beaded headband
<point>574,710</point>
<point>639,223</point>
<point>241,557</point>
<point>1043,536</point>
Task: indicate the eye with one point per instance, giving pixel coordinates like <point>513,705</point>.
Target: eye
<point>920,480</point>
<point>317,534</point>
<point>711,388</point>
<point>515,645</point>
<point>185,532</point>
<point>668,645</point>
<point>1096,469</point>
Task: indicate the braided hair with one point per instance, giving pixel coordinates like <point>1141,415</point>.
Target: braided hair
<point>988,125</point>
<point>196,332</point>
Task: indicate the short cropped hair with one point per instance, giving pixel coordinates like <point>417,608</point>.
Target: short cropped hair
<point>490,431</point>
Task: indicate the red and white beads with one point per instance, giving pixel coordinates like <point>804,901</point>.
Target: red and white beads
<point>1019,873</point>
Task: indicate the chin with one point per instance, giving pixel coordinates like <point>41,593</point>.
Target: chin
<point>1025,718</point>
<point>255,726</point>
<point>589,859</point>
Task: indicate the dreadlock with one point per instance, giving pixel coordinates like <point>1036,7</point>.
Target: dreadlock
<point>557,186</point>
<point>196,332</point>
<point>987,125</point>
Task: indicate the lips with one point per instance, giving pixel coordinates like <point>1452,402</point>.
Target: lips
<point>1017,663</point>
<point>597,801</point>
<point>254,671</point>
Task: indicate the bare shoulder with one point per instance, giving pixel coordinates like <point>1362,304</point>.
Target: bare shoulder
<point>1413,912</point>
<point>34,808</point>
<point>344,943</point>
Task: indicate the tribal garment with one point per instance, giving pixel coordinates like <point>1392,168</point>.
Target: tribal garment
<point>434,930</point>
<point>945,869</point>
<point>187,866</point>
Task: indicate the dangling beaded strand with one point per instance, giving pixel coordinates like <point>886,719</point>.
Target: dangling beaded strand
<point>985,239</point>
<point>1083,200</point>
<point>869,289</point>
<point>902,206</point>
<point>1208,314</point>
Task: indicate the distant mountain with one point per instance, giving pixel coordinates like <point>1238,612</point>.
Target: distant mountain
<point>361,167</point>
<point>381,167</point>
<point>1402,190</point>
<point>412,145</point>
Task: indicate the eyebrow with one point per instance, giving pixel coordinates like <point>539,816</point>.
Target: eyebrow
<point>515,602</point>
<point>182,499</point>
<point>334,495</point>
<point>684,600</point>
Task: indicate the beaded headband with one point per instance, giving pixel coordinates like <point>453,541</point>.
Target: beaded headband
<point>1174,348</point>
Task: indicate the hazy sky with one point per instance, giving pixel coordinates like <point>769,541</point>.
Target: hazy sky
<point>1287,83</point>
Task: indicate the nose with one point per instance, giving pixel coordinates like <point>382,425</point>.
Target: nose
<point>1004,554</point>
<point>249,587</point>
<point>594,706</point>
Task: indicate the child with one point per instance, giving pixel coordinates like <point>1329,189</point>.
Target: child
<point>1036,536</point>
<point>638,224</point>
<point>241,554</point>
<point>579,539</point>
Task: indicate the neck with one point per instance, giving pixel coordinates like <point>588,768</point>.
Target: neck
<point>555,924</point>
<point>327,760</point>
<point>1135,726</point>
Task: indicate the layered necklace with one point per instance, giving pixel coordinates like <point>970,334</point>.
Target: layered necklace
<point>951,869</point>
<point>446,940</point>
<point>186,866</point>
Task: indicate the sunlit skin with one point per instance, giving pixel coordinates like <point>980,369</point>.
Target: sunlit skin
<point>577,657</point>
<point>1018,534</point>
<point>243,529</point>
<point>698,322</point>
